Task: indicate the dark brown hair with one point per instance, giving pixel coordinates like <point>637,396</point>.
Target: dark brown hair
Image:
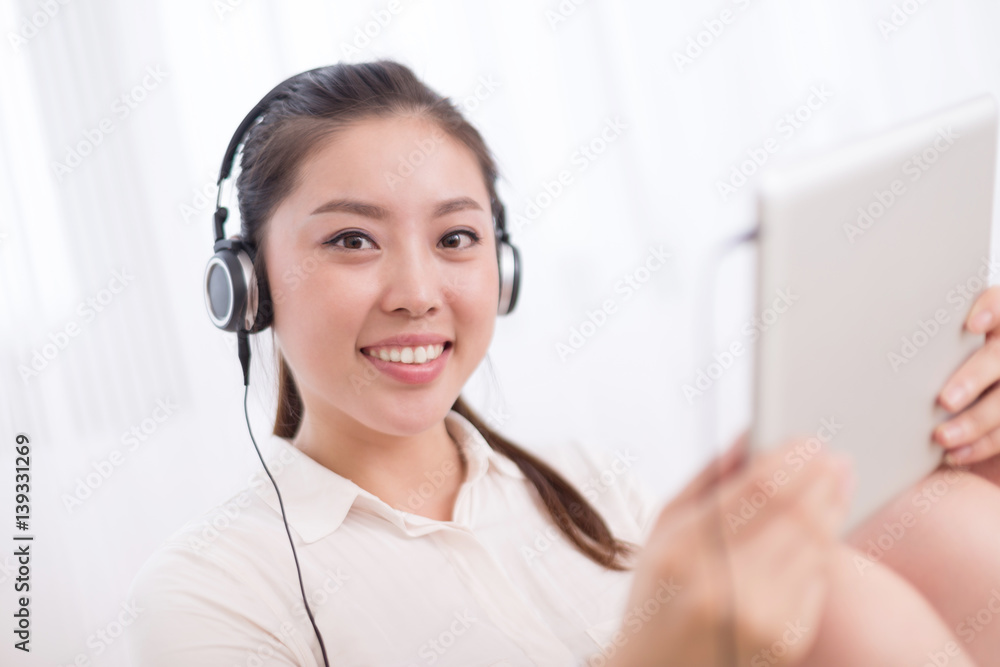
<point>317,103</point>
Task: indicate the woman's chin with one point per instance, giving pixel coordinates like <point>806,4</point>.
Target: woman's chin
<point>408,415</point>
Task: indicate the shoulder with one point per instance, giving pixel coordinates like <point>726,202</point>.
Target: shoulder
<point>607,480</point>
<point>204,553</point>
<point>223,532</point>
<point>204,597</point>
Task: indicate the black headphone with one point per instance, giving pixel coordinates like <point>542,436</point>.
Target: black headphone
<point>238,301</point>
<point>234,296</point>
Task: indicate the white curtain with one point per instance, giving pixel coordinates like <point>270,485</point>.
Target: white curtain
<point>113,119</point>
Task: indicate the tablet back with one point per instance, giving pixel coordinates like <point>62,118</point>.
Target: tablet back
<point>870,259</point>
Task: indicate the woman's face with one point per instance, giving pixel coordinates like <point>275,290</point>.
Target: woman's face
<point>385,247</point>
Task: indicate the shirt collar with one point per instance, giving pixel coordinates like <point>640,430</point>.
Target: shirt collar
<point>317,500</point>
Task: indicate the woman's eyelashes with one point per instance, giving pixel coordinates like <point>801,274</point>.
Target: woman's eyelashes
<point>471,235</point>
<point>354,240</point>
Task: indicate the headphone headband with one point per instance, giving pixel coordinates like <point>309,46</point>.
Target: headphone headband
<point>278,92</point>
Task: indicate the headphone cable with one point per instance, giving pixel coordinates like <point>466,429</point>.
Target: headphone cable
<point>728,644</point>
<point>244,354</point>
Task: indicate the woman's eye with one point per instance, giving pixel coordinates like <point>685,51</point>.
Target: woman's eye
<point>351,241</point>
<point>454,239</point>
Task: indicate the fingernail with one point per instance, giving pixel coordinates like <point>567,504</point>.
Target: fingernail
<point>951,433</point>
<point>956,395</point>
<point>848,478</point>
<point>982,320</point>
<point>958,456</point>
<point>848,483</point>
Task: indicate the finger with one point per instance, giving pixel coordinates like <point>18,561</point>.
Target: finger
<point>718,470</point>
<point>977,373</point>
<point>773,478</point>
<point>985,312</point>
<point>814,499</point>
<point>973,423</point>
<point>781,568</point>
<point>980,450</point>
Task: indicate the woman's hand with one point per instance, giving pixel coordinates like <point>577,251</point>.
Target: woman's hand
<point>974,435</point>
<point>737,563</point>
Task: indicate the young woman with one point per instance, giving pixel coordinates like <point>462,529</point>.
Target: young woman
<point>426,538</point>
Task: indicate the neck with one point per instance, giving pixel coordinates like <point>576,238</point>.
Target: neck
<point>419,473</point>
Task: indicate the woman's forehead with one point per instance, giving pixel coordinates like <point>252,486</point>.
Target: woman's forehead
<point>391,159</point>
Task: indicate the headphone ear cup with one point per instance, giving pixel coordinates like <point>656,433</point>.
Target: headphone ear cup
<point>231,287</point>
<point>510,276</point>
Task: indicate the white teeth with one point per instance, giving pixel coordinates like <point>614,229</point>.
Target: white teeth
<point>407,355</point>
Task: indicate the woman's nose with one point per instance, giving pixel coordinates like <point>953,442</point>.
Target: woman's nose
<point>412,281</point>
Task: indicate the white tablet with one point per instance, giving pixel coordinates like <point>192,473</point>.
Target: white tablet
<point>879,249</point>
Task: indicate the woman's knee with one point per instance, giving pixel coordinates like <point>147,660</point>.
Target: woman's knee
<point>941,536</point>
<point>872,616</point>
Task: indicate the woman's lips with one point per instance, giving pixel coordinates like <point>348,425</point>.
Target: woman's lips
<point>412,373</point>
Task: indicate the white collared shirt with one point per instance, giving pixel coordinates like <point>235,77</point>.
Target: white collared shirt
<point>498,585</point>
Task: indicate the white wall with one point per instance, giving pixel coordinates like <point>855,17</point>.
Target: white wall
<point>557,84</point>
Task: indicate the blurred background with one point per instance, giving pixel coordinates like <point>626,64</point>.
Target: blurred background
<point>623,131</point>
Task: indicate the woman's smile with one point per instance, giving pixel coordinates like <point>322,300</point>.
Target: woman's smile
<point>420,354</point>
<point>410,365</point>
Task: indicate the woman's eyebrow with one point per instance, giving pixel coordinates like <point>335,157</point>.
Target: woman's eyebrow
<point>457,204</point>
<point>379,213</point>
